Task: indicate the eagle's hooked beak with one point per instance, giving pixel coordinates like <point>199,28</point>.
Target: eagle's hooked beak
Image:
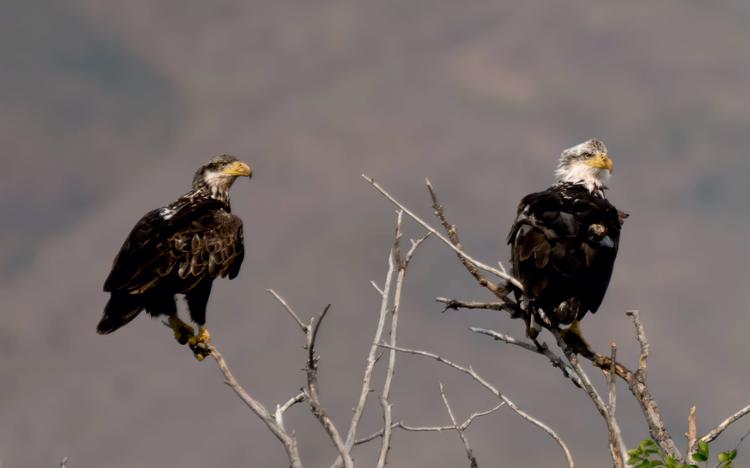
<point>238,168</point>
<point>601,161</point>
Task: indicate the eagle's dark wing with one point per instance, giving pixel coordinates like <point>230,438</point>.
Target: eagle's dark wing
<point>194,238</point>
<point>564,243</point>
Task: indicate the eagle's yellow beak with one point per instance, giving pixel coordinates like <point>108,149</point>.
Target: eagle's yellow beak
<point>238,168</point>
<point>601,161</point>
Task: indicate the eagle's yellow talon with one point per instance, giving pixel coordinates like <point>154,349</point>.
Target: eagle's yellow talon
<point>203,337</point>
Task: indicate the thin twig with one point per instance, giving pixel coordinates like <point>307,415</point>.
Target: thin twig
<point>713,434</point>
<point>637,385</point>
<point>478,378</point>
<point>312,394</point>
<point>281,409</point>
<point>470,265</point>
<point>616,444</point>
<point>288,308</point>
<point>542,349</point>
<point>616,440</point>
<point>642,341</point>
<point>461,253</point>
<point>455,304</point>
<point>288,441</point>
<point>402,263</point>
<point>401,425</point>
<point>615,435</point>
<point>371,357</point>
<point>469,452</point>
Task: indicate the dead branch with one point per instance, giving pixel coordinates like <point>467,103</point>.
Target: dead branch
<point>715,433</point>
<point>371,357</point>
<point>403,426</point>
<point>288,308</point>
<point>637,385</point>
<point>313,397</point>
<point>402,264</point>
<point>455,304</point>
<point>616,444</point>
<point>540,348</point>
<point>281,409</point>
<point>288,441</point>
<point>470,266</point>
<point>469,452</point>
<point>461,253</point>
<point>474,375</point>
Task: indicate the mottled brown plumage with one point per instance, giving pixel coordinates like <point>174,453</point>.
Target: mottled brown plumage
<point>178,249</point>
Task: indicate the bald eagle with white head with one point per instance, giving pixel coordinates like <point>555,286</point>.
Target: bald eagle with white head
<point>564,243</point>
<point>180,248</point>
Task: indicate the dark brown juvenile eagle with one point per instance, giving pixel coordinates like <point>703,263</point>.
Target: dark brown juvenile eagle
<point>179,249</point>
<point>564,243</point>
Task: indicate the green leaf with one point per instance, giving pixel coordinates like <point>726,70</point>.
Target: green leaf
<point>703,448</point>
<point>699,457</point>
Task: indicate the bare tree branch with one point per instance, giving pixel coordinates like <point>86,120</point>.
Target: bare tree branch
<point>288,441</point>
<point>616,444</point>
<point>400,425</point>
<point>313,397</point>
<point>474,375</point>
<point>281,409</point>
<point>288,308</point>
<point>713,434</point>
<point>637,385</point>
<point>402,264</point>
<point>470,266</point>
<point>541,348</point>
<point>640,334</point>
<point>371,357</point>
<point>469,452</point>
<point>458,251</point>
<point>615,434</point>
<point>455,304</point>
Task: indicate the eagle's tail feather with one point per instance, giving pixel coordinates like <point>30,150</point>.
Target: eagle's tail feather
<point>119,311</point>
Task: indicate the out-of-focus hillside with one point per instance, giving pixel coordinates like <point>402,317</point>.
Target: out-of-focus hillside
<point>108,108</point>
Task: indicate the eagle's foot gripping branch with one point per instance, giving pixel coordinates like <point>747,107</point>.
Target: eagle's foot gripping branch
<point>199,343</point>
<point>573,338</point>
<point>182,331</point>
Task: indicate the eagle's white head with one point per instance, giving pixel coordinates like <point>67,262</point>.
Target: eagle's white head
<point>586,164</point>
<point>217,176</point>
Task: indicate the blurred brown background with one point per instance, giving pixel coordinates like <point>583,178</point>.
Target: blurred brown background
<point>107,108</point>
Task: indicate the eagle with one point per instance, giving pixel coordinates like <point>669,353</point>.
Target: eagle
<point>564,242</point>
<point>179,249</point>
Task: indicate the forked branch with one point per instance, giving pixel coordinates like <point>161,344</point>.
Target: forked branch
<point>287,440</point>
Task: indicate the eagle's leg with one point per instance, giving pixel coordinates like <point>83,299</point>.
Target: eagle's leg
<point>574,339</point>
<point>182,331</point>
<point>197,300</point>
